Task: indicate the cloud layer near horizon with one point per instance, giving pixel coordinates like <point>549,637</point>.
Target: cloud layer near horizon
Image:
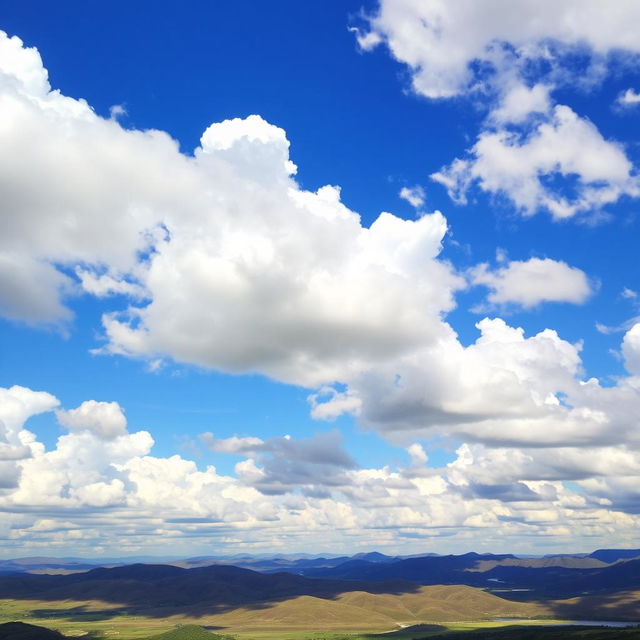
<point>230,265</point>
<point>93,488</point>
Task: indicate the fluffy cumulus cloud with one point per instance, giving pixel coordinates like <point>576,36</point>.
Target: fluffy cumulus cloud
<point>518,165</point>
<point>505,389</point>
<point>227,265</point>
<point>69,195</point>
<point>88,492</point>
<point>104,419</point>
<point>512,57</point>
<point>450,47</point>
<point>249,296</point>
<point>17,405</point>
<point>631,349</point>
<point>531,282</point>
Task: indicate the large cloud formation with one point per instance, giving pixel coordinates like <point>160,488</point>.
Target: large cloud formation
<point>239,268</point>
<point>219,259</point>
<point>511,57</point>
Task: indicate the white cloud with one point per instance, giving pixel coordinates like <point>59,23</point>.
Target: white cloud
<point>503,466</point>
<point>531,282</point>
<point>631,349</point>
<point>415,196</point>
<point>451,47</point>
<point>76,188</point>
<point>492,389</point>
<point>17,405</point>
<point>102,285</point>
<point>504,389</point>
<point>328,404</point>
<point>117,111</point>
<point>257,149</point>
<point>520,102</point>
<point>104,419</point>
<point>248,297</point>
<point>22,66</point>
<point>81,472</point>
<point>629,98</point>
<point>506,163</point>
<point>418,454</point>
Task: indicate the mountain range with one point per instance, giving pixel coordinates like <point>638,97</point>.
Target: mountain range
<point>307,564</point>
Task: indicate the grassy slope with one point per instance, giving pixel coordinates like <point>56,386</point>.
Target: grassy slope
<point>359,611</point>
<point>621,605</point>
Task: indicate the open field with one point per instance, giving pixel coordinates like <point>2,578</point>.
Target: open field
<point>354,611</point>
<point>466,631</point>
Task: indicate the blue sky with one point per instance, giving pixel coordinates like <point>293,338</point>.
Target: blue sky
<point>333,357</point>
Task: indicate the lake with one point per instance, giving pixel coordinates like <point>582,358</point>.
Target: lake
<point>571,623</point>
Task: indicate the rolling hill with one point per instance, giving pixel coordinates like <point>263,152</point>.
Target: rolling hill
<point>359,610</point>
<point>613,555</point>
<point>22,631</point>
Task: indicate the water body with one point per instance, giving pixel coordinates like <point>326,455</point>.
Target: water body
<point>572,623</point>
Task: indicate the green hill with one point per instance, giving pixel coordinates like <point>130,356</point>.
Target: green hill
<point>190,632</point>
